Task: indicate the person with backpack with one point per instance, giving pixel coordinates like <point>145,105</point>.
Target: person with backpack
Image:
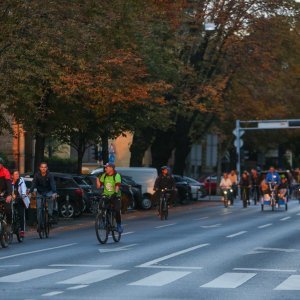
<point>110,180</point>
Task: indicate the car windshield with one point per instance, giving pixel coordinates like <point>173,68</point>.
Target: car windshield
<point>80,180</point>
<point>191,180</point>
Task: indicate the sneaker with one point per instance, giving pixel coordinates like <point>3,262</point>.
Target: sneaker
<point>22,234</point>
<point>119,228</point>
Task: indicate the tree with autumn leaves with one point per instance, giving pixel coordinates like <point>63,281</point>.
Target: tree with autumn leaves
<point>90,71</point>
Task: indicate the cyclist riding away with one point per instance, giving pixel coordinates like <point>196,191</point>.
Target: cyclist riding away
<point>165,181</point>
<point>111,182</point>
<point>5,187</point>
<point>44,184</point>
<point>21,199</point>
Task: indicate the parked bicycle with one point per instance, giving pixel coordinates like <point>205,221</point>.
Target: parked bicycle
<point>163,204</point>
<point>4,231</point>
<point>106,221</point>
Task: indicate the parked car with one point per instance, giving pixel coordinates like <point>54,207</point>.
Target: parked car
<point>136,191</point>
<point>197,189</point>
<point>144,176</point>
<point>210,184</point>
<point>70,200</point>
<point>184,193</point>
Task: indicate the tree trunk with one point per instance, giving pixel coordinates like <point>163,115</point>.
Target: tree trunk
<point>80,153</point>
<point>104,144</point>
<point>162,148</point>
<point>39,150</point>
<point>140,143</point>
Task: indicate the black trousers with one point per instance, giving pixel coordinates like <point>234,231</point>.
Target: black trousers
<point>115,201</point>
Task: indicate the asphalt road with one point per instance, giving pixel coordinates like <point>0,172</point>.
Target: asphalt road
<point>204,251</point>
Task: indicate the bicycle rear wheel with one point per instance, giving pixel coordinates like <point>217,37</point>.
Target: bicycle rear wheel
<point>47,225</point>
<point>101,228</point>
<point>4,236</point>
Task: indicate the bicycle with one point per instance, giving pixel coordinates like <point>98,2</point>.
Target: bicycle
<point>43,223</point>
<point>227,194</point>
<point>106,222</point>
<point>15,223</point>
<point>4,232</point>
<point>163,204</point>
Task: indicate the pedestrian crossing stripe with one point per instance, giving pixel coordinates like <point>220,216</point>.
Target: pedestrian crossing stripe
<point>290,284</point>
<point>28,275</point>
<point>229,280</point>
<point>92,277</point>
<point>160,278</point>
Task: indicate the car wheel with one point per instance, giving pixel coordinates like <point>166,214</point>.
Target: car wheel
<point>67,210</point>
<point>146,203</point>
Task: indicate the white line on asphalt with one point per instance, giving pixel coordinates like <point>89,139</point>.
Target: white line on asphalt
<point>298,214</point>
<point>286,218</point>
<point>77,287</point>
<point>9,266</point>
<point>28,275</point>
<point>290,284</point>
<point>163,226</point>
<point>203,218</point>
<point>74,265</point>
<point>229,280</point>
<point>264,270</point>
<point>236,234</point>
<point>37,251</point>
<point>126,233</point>
<point>155,261</point>
<point>226,213</point>
<point>211,226</point>
<point>160,279</point>
<point>92,277</point>
<point>264,226</point>
<point>278,249</point>
<point>175,267</point>
<point>52,294</point>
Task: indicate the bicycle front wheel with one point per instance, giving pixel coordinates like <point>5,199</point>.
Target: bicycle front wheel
<point>101,228</point>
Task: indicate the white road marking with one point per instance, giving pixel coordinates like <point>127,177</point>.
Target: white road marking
<point>155,261</point>
<point>129,232</point>
<point>264,270</point>
<point>236,234</point>
<point>75,265</point>
<point>298,214</point>
<point>226,213</point>
<point>160,279</point>
<point>203,218</point>
<point>290,284</point>
<point>286,218</point>
<point>175,267</point>
<point>264,226</point>
<point>77,287</point>
<point>9,266</point>
<point>163,226</point>
<point>52,294</point>
<point>92,277</point>
<point>38,251</point>
<point>211,226</point>
<point>123,248</point>
<point>278,249</point>
<point>229,280</point>
<point>28,275</point>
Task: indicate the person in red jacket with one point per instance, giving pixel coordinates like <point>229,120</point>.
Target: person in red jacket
<point>5,189</point>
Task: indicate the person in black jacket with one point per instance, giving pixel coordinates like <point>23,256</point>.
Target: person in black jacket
<point>44,184</point>
<point>165,181</point>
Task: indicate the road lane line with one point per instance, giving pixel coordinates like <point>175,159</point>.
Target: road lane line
<point>160,279</point>
<point>226,213</point>
<point>236,234</point>
<point>28,275</point>
<point>264,270</point>
<point>175,267</point>
<point>77,287</point>
<point>78,265</point>
<point>9,266</point>
<point>38,251</point>
<point>211,226</point>
<point>52,294</point>
<point>278,249</point>
<point>298,214</point>
<point>155,261</point>
<point>126,233</point>
<point>92,277</point>
<point>203,218</point>
<point>290,284</point>
<point>264,226</point>
<point>286,218</point>
<point>229,280</point>
<point>163,226</point>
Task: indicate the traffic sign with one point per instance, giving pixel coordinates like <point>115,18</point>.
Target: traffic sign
<point>236,133</point>
<point>241,143</point>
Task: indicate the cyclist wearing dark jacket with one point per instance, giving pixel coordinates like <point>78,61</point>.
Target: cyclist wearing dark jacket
<point>5,188</point>
<point>165,181</point>
<point>43,182</point>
